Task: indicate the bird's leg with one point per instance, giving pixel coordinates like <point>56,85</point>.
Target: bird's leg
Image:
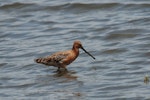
<point>58,69</point>
<point>66,69</point>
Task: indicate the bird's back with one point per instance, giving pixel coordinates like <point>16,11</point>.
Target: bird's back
<point>59,59</point>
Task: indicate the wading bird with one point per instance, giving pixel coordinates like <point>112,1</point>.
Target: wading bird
<point>63,58</point>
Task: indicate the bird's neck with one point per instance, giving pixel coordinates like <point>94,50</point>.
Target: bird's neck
<point>76,50</point>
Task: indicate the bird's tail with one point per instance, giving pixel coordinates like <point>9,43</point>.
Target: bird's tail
<point>41,60</point>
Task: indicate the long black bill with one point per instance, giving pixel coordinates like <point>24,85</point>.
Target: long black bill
<point>87,52</point>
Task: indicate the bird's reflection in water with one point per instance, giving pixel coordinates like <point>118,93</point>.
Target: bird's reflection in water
<point>66,74</point>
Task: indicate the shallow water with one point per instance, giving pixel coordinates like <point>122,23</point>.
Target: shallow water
<point>116,32</point>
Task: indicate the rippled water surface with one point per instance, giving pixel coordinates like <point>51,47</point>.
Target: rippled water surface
<point>116,32</point>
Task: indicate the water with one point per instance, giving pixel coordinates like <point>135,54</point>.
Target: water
<point>116,32</point>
